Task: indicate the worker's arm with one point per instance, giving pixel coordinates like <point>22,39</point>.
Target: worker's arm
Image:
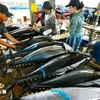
<point>38,19</point>
<point>7,44</point>
<point>52,21</point>
<point>8,36</point>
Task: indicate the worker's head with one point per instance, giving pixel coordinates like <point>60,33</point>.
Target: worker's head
<point>81,5</point>
<point>4,13</point>
<point>47,7</point>
<point>74,6</point>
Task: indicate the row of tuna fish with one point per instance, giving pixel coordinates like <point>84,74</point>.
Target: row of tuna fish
<point>46,65</point>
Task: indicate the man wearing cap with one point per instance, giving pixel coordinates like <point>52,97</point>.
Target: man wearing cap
<point>75,24</point>
<point>4,14</point>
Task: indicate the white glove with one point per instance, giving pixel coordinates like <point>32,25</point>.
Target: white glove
<point>47,32</point>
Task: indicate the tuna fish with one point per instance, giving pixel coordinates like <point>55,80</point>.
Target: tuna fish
<point>93,83</point>
<point>71,93</point>
<point>71,79</point>
<point>40,55</point>
<point>36,39</point>
<point>28,50</point>
<point>16,26</point>
<point>68,61</point>
<point>23,33</point>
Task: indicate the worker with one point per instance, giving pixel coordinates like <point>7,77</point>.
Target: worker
<point>49,20</point>
<point>76,23</point>
<point>96,51</point>
<point>4,14</point>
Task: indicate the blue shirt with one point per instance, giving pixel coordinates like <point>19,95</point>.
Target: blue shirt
<point>76,23</point>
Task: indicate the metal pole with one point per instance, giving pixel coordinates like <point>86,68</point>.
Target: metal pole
<point>32,15</point>
<point>98,6</point>
<point>52,3</point>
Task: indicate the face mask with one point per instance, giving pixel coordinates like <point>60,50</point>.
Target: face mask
<point>71,10</point>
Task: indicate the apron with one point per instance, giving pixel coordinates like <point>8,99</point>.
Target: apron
<point>74,41</point>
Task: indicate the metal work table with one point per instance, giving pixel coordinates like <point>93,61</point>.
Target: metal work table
<point>92,29</point>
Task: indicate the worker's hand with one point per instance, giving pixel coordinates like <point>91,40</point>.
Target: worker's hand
<point>39,25</point>
<point>13,47</point>
<point>35,27</point>
<point>30,28</point>
<point>18,42</point>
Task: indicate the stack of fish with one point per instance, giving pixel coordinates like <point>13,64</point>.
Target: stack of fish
<point>46,64</point>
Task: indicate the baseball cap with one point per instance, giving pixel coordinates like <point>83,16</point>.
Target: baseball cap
<point>4,10</point>
<point>73,2</point>
<point>46,5</point>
